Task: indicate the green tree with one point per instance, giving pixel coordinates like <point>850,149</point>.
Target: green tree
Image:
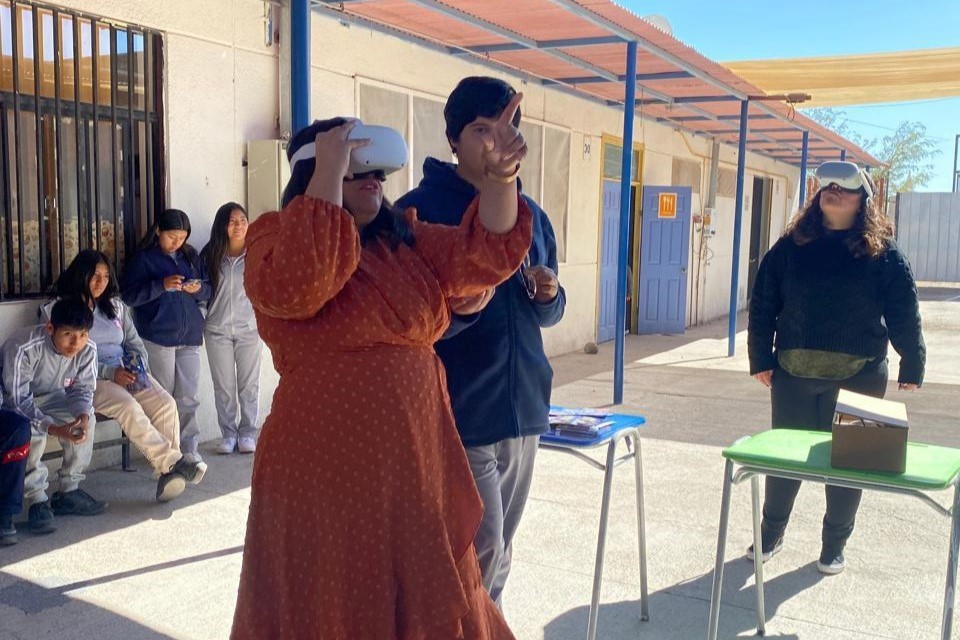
<point>907,151</point>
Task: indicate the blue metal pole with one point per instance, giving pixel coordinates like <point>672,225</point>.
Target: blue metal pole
<point>626,174</point>
<point>843,154</point>
<point>737,224</point>
<point>803,169</point>
<point>299,63</point>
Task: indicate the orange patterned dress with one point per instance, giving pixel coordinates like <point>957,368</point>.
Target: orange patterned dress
<point>363,507</point>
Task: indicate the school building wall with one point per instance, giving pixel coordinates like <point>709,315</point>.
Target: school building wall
<point>221,91</point>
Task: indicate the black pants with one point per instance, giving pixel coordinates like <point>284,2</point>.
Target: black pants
<point>809,403</point>
<point>14,446</point>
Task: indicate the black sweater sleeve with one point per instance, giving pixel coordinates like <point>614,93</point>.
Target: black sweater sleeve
<point>901,313</point>
<point>765,305</point>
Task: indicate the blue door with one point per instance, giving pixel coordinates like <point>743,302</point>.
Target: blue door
<point>609,243</point>
<point>664,253</point>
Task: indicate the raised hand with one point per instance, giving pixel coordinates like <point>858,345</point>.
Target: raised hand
<point>333,149</point>
<point>505,148</point>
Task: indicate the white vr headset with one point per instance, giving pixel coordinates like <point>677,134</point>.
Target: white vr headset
<point>387,151</point>
<point>846,175</point>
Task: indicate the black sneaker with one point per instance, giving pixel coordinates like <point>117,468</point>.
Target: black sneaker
<point>831,563</point>
<point>76,503</point>
<point>8,532</point>
<point>768,552</point>
<point>192,470</point>
<point>170,485</point>
<point>40,518</point>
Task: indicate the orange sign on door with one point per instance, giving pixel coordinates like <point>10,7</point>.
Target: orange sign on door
<point>668,206</point>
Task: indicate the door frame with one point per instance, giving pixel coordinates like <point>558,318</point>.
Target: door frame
<point>607,139</point>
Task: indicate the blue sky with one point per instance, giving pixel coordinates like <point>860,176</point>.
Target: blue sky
<point>754,29</point>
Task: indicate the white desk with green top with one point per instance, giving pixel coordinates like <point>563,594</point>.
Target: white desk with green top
<point>805,455</point>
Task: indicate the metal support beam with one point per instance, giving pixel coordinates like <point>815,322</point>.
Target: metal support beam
<point>567,43</point>
<point>696,99</point>
<point>626,173</point>
<point>843,154</point>
<point>527,43</point>
<point>299,63</point>
<point>737,227</point>
<point>594,18</point>
<point>803,169</point>
<point>641,77</point>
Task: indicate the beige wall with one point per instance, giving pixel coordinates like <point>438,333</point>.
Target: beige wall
<point>221,91</point>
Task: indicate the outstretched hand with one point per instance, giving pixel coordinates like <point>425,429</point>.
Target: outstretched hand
<point>505,148</point>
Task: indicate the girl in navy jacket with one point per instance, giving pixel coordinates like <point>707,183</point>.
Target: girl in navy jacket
<point>165,283</point>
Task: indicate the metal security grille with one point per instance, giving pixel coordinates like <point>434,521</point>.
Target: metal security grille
<point>81,140</point>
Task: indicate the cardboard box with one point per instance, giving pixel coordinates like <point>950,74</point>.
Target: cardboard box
<point>869,434</point>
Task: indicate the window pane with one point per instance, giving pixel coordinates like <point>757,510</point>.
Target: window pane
<point>26,198</point>
<point>139,95</point>
<point>6,48</point>
<point>122,72</point>
<point>47,46</point>
<point>686,173</point>
<point>387,108</point>
<point>556,186</point>
<point>612,161</point>
<point>69,201</point>
<point>429,135</point>
<point>530,167</point>
<point>86,61</point>
<point>25,50</point>
<point>103,65</point>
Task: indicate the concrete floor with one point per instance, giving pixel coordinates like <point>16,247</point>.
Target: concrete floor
<point>146,571</point>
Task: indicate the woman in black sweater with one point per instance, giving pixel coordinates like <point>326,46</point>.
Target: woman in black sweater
<point>829,297</point>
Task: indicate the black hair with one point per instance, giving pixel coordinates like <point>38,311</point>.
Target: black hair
<point>74,282</point>
<point>476,97</point>
<point>71,313</point>
<point>170,220</point>
<point>214,251</point>
<point>389,223</point>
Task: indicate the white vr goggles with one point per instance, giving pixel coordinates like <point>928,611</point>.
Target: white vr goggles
<point>846,175</point>
<point>387,151</point>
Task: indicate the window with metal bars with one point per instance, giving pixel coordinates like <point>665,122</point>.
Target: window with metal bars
<point>81,140</point>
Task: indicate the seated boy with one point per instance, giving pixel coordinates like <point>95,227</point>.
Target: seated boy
<point>49,374</point>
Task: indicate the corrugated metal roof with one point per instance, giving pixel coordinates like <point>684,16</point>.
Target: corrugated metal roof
<point>581,45</point>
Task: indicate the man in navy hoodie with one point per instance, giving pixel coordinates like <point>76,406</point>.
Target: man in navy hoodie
<point>498,375</point>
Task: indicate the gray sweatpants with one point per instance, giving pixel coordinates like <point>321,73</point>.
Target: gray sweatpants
<point>76,457</point>
<point>177,369</point>
<point>235,368</point>
<point>503,472</point>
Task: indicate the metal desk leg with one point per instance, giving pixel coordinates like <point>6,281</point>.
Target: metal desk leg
<point>949,594</point>
<point>758,555</point>
<point>721,550</point>
<point>602,539</point>
<point>641,529</point>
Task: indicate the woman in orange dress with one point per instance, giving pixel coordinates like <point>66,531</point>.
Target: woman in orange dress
<point>363,508</point>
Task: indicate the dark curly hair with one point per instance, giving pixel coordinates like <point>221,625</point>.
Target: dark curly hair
<point>870,235</point>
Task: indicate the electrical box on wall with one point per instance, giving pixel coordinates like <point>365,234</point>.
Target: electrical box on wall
<point>267,175</point>
<point>709,221</point>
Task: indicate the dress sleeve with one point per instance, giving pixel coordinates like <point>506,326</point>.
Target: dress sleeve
<point>300,258</point>
<point>467,258</point>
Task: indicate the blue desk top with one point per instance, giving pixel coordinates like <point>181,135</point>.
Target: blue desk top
<point>620,421</point>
